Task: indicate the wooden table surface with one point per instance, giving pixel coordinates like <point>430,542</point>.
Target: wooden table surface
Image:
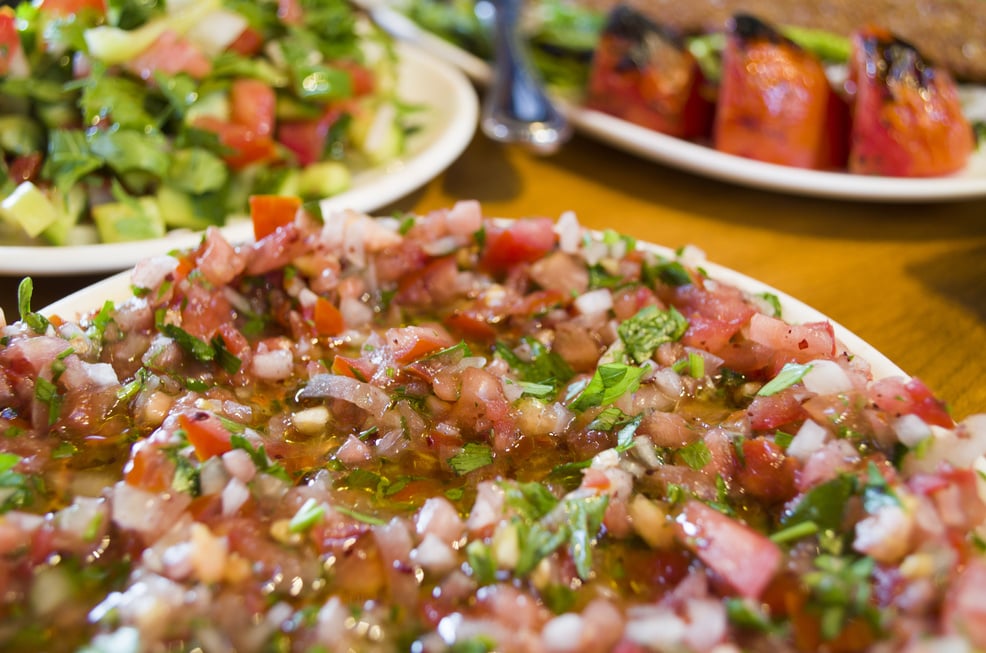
<point>910,279</point>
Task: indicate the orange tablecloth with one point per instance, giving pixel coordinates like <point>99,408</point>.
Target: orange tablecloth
<point>910,279</point>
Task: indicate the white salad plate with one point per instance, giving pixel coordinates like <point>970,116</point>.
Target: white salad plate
<point>117,289</point>
<point>447,121</point>
<point>701,160</point>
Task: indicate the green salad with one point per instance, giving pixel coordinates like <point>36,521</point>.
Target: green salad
<point>122,119</point>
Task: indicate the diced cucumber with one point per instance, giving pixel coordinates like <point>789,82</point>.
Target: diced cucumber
<point>120,222</point>
<point>29,208</point>
<point>113,45</point>
<point>20,135</point>
<point>378,134</point>
<point>323,179</point>
<point>179,210</point>
<point>210,105</point>
<point>276,181</point>
<point>63,231</point>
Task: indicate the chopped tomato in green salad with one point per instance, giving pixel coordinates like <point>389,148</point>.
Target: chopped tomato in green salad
<point>442,432</point>
<point>122,119</point>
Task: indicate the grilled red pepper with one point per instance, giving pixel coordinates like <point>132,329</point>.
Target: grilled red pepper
<point>775,102</point>
<point>907,120</point>
<point>643,73</point>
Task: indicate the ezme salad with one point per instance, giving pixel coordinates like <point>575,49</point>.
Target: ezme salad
<point>121,119</point>
<point>444,433</point>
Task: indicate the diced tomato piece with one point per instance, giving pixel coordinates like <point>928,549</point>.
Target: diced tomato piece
<point>206,434</point>
<point>767,474</point>
<point>471,323</point>
<point>643,73</point>
<point>907,118</point>
<point>910,397</point>
<point>745,559</point>
<point>307,139</point>
<point>233,338</point>
<point>793,342</point>
<point>71,7</point>
<point>774,411</point>
<point>149,468</point>
<point>253,105</point>
<point>522,241</point>
<point>775,103</point>
<point>432,284</point>
<point>328,320</point>
<point>412,342</point>
<point>248,43</point>
<point>268,212</point>
<point>356,368</point>
<point>246,145</point>
<point>10,41</point>
<point>171,54</point>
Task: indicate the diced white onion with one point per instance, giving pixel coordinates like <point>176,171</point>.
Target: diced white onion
<point>826,378</point>
<point>809,439</point>
<point>434,555</point>
<point>234,496</point>
<point>594,302</point>
<point>240,465</point>
<point>273,365</point>
<point>354,312</point>
<point>911,430</point>
<point>563,633</point>
<point>569,232</point>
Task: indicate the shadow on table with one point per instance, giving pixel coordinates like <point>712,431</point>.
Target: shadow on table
<point>960,275</point>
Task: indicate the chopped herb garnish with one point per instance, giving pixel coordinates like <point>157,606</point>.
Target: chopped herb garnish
<point>226,359</point>
<point>749,615</point>
<point>47,393</point>
<point>258,455</point>
<point>310,513</point>
<point>823,505</point>
<point>696,455</point>
<point>649,328</point>
<point>15,490</point>
<point>199,349</point>
<point>480,560</point>
<point>877,493</point>
<point>773,301</point>
<point>671,273</point>
<point>783,440</point>
<point>532,500</point>
<point>359,516</point>
<point>37,322</point>
<point>795,532</point>
<point>472,457</point>
<point>840,590</point>
<point>790,374</point>
<point>610,382</point>
<point>608,419</point>
<point>64,449</point>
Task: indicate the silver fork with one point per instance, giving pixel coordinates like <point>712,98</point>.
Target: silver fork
<point>516,108</point>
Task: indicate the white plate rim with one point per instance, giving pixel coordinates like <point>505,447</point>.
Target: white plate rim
<point>705,161</point>
<point>117,288</point>
<point>450,127</point>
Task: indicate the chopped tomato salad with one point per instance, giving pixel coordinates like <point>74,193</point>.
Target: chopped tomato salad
<point>442,432</point>
<point>123,120</point>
